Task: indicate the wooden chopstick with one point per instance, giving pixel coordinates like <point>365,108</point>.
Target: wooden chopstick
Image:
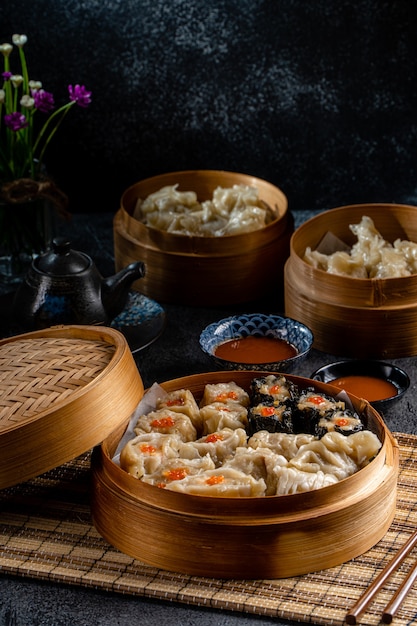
<point>366,598</point>
<point>393,606</point>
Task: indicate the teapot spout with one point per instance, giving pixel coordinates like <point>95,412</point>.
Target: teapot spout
<point>115,289</point>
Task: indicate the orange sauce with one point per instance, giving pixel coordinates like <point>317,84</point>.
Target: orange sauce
<point>367,387</point>
<point>253,349</point>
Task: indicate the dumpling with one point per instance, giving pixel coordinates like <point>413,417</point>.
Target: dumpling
<point>219,415</point>
<point>393,264</point>
<point>343,421</point>
<point>346,265</point>
<point>166,199</point>
<point>316,259</point>
<point>290,480</point>
<point>167,422</point>
<point>145,453</point>
<point>220,445</point>
<point>317,457</point>
<point>272,388</point>
<point>174,470</point>
<point>222,482</point>
<point>283,444</point>
<point>310,407</point>
<point>408,249</point>
<point>271,418</point>
<point>337,454</point>
<point>245,220</point>
<point>253,461</point>
<point>224,392</point>
<point>181,401</point>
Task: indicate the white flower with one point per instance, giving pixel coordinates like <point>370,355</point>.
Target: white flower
<point>19,40</point>
<point>5,49</point>
<point>16,80</point>
<point>27,102</point>
<point>35,85</point>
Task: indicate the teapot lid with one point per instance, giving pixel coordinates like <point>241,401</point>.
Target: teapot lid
<point>62,260</point>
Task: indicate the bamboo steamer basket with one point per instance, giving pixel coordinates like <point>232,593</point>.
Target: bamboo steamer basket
<point>246,538</point>
<point>361,318</point>
<point>204,271</point>
<point>63,390</point>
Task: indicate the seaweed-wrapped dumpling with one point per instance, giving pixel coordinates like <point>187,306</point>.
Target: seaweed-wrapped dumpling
<point>310,407</point>
<point>270,417</point>
<point>343,421</point>
<point>272,389</point>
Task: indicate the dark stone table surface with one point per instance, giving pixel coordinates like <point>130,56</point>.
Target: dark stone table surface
<point>175,353</point>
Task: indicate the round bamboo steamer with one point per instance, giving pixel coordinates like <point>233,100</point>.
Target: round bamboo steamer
<point>355,317</point>
<point>63,390</point>
<point>204,271</point>
<point>246,538</point>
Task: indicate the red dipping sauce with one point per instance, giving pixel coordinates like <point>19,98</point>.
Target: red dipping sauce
<point>253,349</point>
<point>368,387</point>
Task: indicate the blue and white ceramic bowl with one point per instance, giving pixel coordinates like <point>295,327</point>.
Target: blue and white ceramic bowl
<point>261,325</point>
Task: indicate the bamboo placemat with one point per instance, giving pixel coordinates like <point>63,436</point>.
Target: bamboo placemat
<point>46,533</point>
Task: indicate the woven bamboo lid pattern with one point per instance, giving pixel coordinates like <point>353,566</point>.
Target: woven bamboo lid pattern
<point>35,374</point>
<point>62,391</point>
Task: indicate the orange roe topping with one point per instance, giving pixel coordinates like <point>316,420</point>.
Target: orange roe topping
<point>230,395</point>
<point>175,402</point>
<point>215,480</point>
<point>213,438</point>
<point>342,421</point>
<point>164,422</point>
<point>266,411</point>
<point>275,389</point>
<point>147,448</point>
<point>161,485</point>
<point>178,473</point>
<point>316,400</point>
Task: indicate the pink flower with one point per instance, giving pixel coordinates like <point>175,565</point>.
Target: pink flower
<point>15,121</point>
<point>80,95</point>
<point>44,100</point>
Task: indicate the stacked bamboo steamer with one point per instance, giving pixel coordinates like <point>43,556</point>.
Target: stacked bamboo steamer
<point>354,317</point>
<point>204,271</point>
<point>246,538</point>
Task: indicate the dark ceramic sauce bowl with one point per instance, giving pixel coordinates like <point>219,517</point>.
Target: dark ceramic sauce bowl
<point>375,369</point>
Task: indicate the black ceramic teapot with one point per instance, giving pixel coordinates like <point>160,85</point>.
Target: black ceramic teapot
<point>63,286</point>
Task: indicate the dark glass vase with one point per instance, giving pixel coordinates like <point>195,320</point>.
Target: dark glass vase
<point>26,230</point>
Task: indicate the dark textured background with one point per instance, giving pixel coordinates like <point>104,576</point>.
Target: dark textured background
<point>318,97</point>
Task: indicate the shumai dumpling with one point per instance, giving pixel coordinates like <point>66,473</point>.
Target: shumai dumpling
<point>224,392</point>
<point>174,470</point>
<point>145,453</point>
<point>167,422</point>
<point>181,401</point>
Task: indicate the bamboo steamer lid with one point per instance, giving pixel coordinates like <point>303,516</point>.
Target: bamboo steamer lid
<point>246,538</point>
<point>62,391</point>
<point>361,318</point>
<point>204,271</point>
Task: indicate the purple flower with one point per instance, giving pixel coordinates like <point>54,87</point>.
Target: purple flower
<point>15,121</point>
<point>6,75</point>
<point>44,100</point>
<point>80,95</point>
